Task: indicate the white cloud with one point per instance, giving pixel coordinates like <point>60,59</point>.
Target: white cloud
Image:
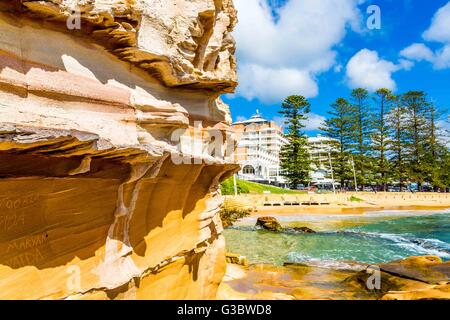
<point>273,85</point>
<point>367,70</point>
<point>444,134</point>
<point>442,60</point>
<point>438,31</point>
<point>405,64</point>
<point>418,52</point>
<point>440,26</point>
<point>314,122</point>
<point>283,56</point>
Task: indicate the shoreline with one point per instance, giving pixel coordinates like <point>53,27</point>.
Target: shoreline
<point>340,210</point>
<point>341,203</point>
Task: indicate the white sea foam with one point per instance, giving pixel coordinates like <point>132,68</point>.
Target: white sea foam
<point>324,263</point>
<point>438,243</point>
<point>416,245</point>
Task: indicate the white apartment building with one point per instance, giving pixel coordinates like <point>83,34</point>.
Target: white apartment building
<point>258,149</point>
<point>319,150</point>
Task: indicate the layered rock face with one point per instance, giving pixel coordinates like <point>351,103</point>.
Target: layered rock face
<point>113,141</point>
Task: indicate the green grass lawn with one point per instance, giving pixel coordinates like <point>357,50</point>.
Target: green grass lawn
<point>253,188</point>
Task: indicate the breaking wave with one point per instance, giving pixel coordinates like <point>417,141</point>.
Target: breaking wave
<point>433,247</point>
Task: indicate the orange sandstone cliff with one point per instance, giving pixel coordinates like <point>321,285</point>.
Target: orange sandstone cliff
<point>108,189</point>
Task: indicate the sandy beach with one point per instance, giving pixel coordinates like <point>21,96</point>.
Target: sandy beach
<point>337,210</point>
<point>341,203</point>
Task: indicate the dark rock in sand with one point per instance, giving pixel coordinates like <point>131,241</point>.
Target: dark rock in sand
<point>269,223</point>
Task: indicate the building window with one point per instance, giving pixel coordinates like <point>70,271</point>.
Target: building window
<point>248,170</point>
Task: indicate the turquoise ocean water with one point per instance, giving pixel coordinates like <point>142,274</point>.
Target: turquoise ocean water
<point>380,237</point>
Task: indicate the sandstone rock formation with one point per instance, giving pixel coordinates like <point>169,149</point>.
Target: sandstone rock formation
<point>235,258</point>
<point>414,278</point>
<point>303,230</point>
<point>108,189</point>
<point>269,223</point>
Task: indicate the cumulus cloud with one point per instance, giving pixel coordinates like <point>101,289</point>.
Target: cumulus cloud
<point>314,122</point>
<point>442,60</point>
<point>367,70</point>
<point>440,26</point>
<point>439,31</point>
<point>405,64</point>
<point>418,52</point>
<point>283,55</point>
<point>272,85</point>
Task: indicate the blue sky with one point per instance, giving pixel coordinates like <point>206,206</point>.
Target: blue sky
<point>322,49</point>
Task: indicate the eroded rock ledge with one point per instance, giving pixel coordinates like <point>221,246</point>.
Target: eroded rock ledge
<point>414,278</point>
<point>190,43</point>
<point>92,203</point>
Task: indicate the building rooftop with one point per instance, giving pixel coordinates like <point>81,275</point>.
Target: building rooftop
<point>256,118</point>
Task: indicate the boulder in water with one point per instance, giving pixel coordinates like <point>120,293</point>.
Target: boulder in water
<point>269,223</point>
<point>303,230</point>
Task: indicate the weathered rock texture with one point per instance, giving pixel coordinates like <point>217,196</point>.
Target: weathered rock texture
<point>92,204</point>
<point>414,278</point>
